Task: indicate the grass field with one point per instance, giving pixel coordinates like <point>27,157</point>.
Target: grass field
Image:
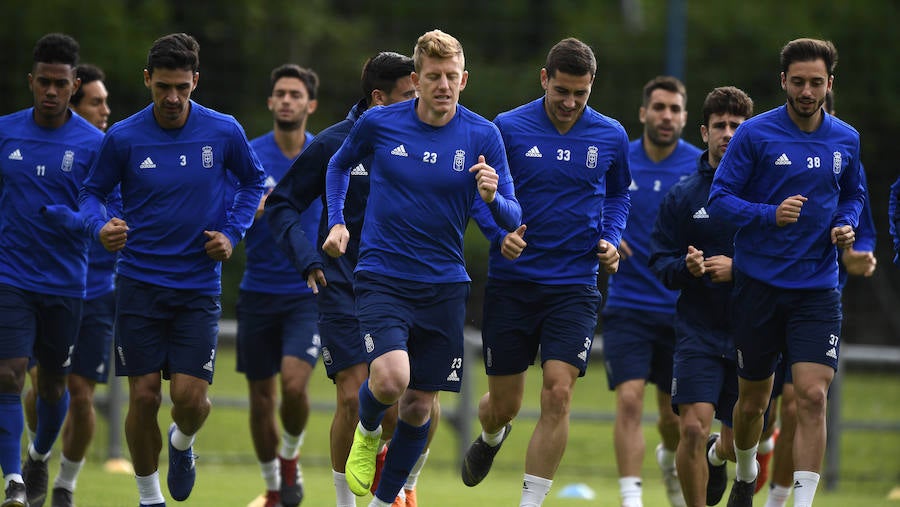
<point>229,476</point>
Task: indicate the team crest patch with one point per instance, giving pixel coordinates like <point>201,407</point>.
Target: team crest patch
<point>836,163</point>
<point>207,157</point>
<point>68,161</point>
<point>459,160</point>
<point>591,162</point>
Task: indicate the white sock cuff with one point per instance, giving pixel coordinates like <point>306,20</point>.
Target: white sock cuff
<point>800,474</point>
<point>493,439</point>
<point>180,440</point>
<point>540,481</point>
<point>766,446</point>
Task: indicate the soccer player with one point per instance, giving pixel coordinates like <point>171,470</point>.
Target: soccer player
<point>432,158</point>
<point>276,311</point>
<point>173,159</point>
<point>858,260</point>
<point>639,316</point>
<point>894,218</point>
<point>89,101</point>
<point>46,153</point>
<point>542,292</point>
<point>90,357</point>
<point>692,251</point>
<point>385,80</point>
<point>791,182</point>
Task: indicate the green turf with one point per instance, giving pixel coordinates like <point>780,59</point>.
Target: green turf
<point>229,476</point>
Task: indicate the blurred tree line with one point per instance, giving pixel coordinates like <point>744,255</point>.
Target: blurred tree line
<point>506,42</point>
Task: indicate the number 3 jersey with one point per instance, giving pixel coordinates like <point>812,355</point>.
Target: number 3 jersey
<point>174,187</point>
<point>41,167</point>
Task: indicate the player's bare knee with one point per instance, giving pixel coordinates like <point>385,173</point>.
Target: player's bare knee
<point>51,388</point>
<point>556,399</point>
<point>811,400</point>
<point>693,432</point>
<point>295,389</point>
<point>12,380</point>
<point>145,400</point>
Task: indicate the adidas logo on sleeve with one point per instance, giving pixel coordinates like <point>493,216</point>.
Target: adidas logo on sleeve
<point>399,151</point>
<point>16,155</point>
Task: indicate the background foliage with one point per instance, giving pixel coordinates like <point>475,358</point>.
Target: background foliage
<point>506,41</point>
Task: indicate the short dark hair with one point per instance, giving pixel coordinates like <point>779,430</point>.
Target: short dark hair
<point>382,71</point>
<point>668,83</point>
<point>309,78</point>
<point>88,74</point>
<point>727,100</point>
<point>572,57</point>
<point>174,51</point>
<point>807,50</point>
<point>56,48</point>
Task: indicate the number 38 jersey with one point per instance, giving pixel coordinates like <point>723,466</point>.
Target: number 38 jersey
<point>770,159</point>
<point>41,167</point>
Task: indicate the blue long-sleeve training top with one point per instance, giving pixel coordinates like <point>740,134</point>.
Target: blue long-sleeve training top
<point>302,187</point>
<point>268,269</point>
<point>634,286</point>
<point>573,190</point>
<point>422,191</point>
<point>174,186</point>
<point>770,159</point>
<point>42,167</point>
<point>703,307</point>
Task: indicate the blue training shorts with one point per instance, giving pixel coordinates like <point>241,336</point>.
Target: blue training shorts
<point>164,329</point>
<point>338,325</point>
<point>804,324</point>
<point>519,317</point>
<point>424,319</point>
<point>699,377</point>
<point>638,344</point>
<point>271,326</point>
<point>91,357</point>
<point>39,326</point>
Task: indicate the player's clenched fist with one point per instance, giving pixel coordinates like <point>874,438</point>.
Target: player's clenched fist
<point>114,234</point>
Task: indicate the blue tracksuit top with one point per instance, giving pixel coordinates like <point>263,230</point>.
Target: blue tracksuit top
<point>894,218</point>
<point>634,286</point>
<point>422,192</point>
<point>703,307</point>
<point>42,167</point>
<point>268,269</point>
<point>174,186</point>
<point>865,231</point>
<point>573,189</point>
<point>302,187</point>
<point>770,159</point>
